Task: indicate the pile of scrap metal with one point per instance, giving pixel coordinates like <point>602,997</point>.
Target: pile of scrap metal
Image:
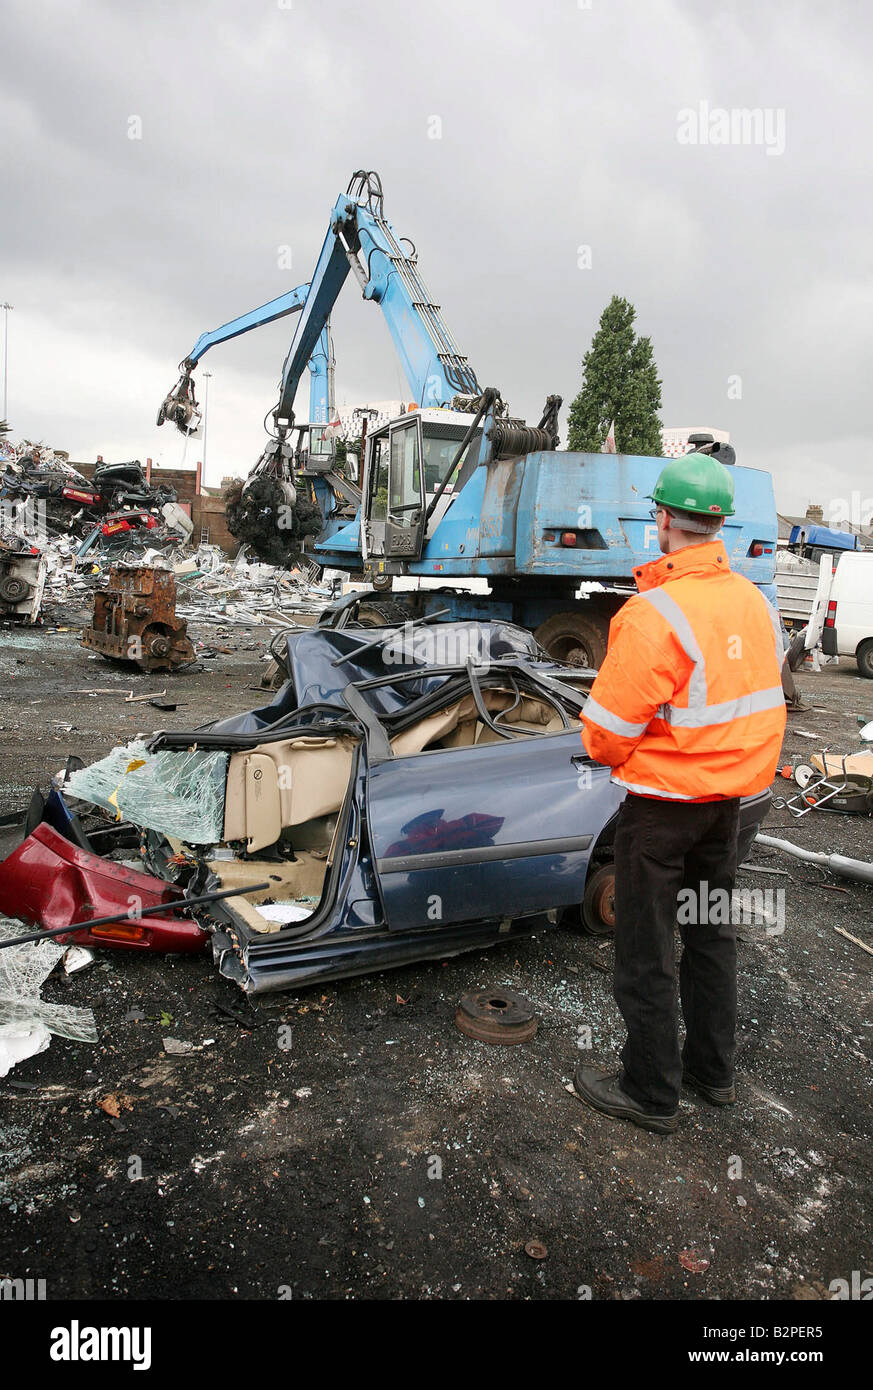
<point>841,782</point>
<point>68,504</point>
<point>242,593</point>
<point>412,792</point>
<point>58,530</point>
<point>135,620</point>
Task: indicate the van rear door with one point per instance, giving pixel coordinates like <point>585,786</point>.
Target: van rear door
<point>816,626</point>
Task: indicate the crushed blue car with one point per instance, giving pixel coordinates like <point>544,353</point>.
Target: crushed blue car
<point>412,791</point>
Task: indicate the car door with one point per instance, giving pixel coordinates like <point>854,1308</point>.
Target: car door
<point>498,830</point>
<point>396,520</point>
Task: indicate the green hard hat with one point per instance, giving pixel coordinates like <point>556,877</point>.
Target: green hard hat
<point>696,483</point>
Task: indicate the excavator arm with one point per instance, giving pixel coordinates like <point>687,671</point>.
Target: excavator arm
<point>181,406</point>
<point>360,239</point>
<point>290,303</point>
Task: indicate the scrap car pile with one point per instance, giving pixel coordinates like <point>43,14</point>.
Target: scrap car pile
<point>60,529</point>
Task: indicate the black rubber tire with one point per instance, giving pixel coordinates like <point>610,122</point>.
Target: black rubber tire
<point>382,613</point>
<point>575,638</point>
<point>598,904</point>
<point>864,658</point>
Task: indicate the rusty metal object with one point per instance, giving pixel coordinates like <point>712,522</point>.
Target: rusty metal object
<point>496,1016</point>
<point>598,905</point>
<point>135,620</point>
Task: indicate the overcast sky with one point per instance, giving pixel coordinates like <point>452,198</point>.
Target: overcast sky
<point>564,125</point>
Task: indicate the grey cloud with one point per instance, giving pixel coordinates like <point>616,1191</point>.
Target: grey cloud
<point>559,129</point>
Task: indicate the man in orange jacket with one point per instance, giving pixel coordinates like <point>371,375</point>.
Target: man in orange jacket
<point>688,710</point>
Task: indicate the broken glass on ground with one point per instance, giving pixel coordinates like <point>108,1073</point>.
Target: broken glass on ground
<point>23,970</point>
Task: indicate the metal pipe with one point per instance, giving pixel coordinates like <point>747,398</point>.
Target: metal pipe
<point>857,869</point>
<point>6,308</point>
<point>135,916</point>
<point>489,396</point>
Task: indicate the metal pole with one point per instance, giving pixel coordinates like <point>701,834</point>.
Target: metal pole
<point>6,307</point>
<point>174,905</point>
<point>206,376</point>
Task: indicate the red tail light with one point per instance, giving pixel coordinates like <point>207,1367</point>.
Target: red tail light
<point>831,618</point>
<point>568,538</point>
<point>756,549</point>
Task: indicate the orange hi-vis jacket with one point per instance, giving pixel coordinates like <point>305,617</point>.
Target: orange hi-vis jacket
<point>688,704</point>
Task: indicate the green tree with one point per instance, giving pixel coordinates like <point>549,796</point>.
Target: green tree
<point>620,382</point>
<point>344,447</point>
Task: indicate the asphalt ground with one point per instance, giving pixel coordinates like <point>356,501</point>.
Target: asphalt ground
<point>348,1142</point>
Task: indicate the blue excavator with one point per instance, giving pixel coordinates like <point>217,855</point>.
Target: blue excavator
<point>458,489</point>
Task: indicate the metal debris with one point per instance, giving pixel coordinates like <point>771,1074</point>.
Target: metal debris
<point>496,1016</point>
<point>857,940</point>
<point>23,572</point>
<point>858,869</point>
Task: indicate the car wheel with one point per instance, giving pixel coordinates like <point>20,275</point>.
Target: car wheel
<point>598,905</point>
<point>864,658</point>
<point>575,639</point>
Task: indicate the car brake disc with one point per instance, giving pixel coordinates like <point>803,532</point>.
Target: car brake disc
<point>496,1016</point>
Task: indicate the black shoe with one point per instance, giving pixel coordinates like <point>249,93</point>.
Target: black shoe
<point>602,1091</point>
<point>716,1095</point>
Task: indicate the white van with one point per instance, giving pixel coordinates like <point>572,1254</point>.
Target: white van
<point>847,611</point>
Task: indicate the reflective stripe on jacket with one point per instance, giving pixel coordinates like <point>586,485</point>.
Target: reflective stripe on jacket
<point>688,703</point>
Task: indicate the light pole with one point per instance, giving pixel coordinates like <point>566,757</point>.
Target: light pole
<point>206,376</point>
<point>6,307</point>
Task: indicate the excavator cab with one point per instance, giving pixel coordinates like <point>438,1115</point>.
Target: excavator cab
<point>321,449</point>
<point>411,470</point>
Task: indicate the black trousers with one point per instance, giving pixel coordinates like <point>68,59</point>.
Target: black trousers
<point>675,860</point>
